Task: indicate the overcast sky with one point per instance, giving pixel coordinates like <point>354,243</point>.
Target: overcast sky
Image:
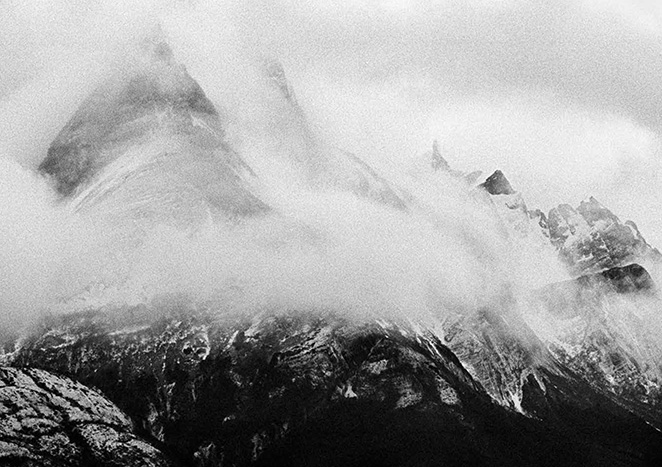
<point>563,95</point>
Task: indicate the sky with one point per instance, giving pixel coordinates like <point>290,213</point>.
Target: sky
<point>564,96</point>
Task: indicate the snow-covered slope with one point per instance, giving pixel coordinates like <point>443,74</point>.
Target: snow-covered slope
<point>602,326</point>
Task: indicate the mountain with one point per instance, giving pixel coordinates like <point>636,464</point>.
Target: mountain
<point>591,238</point>
<point>149,141</point>
<point>329,167</point>
<point>588,239</point>
<point>569,373</point>
<point>600,325</point>
<point>438,161</point>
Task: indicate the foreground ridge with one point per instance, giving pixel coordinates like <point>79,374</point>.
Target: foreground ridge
<point>300,390</point>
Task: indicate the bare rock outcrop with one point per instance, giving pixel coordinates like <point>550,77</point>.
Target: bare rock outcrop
<point>50,421</point>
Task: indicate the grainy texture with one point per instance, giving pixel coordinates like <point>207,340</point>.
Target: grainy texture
<point>299,390</point>
<point>46,420</point>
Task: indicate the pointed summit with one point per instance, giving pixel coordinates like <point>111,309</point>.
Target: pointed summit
<point>438,161</point>
<point>149,134</point>
<point>156,47</point>
<point>497,184</point>
<point>326,165</point>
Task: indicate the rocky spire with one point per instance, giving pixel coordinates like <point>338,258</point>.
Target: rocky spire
<point>438,161</point>
<point>275,71</point>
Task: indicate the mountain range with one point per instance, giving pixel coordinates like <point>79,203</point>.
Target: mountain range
<point>567,373</point>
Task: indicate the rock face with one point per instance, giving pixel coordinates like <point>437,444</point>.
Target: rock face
<point>300,390</point>
<point>632,278</point>
<point>602,326</point>
<point>591,238</point>
<point>47,420</point>
<point>229,393</point>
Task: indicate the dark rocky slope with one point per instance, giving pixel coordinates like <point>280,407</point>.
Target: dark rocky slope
<point>321,391</point>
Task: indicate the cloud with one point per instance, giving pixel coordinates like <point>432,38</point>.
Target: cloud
<point>47,253</point>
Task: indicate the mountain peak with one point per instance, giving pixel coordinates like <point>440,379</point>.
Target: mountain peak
<point>591,238</point>
<point>438,161</point>
<point>150,117</point>
<point>128,105</point>
<point>591,203</point>
<point>497,184</point>
<point>593,211</point>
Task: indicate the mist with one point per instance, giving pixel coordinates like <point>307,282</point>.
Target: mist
<point>381,81</point>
